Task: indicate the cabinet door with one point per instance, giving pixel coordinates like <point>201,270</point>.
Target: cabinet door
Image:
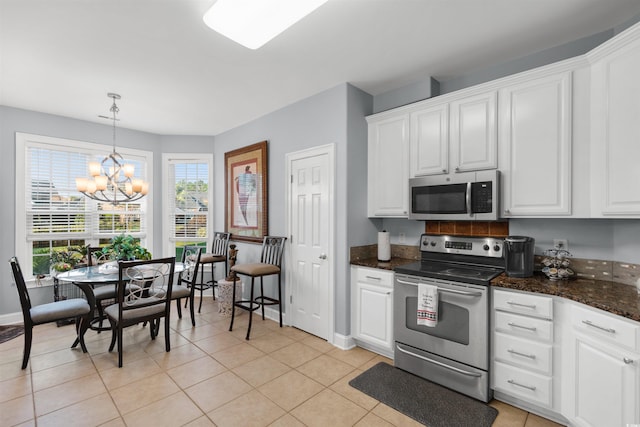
<point>374,320</point>
<point>615,151</point>
<point>388,167</point>
<point>605,385</point>
<point>535,147</point>
<point>473,137</point>
<point>430,141</point>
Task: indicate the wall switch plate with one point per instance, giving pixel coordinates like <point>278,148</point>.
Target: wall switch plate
<point>561,244</point>
<point>401,238</point>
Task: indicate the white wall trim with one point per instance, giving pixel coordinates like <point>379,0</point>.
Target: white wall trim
<point>343,342</point>
<point>11,318</point>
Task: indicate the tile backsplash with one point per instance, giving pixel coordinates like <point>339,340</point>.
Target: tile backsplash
<point>621,272</point>
<point>468,228</point>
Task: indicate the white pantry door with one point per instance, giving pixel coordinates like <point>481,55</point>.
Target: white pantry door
<point>311,238</point>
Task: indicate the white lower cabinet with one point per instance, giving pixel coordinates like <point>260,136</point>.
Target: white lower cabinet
<point>522,353</point>
<point>604,369</point>
<point>372,309</point>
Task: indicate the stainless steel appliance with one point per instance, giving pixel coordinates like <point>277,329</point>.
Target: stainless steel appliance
<point>518,256</point>
<point>463,196</point>
<point>454,353</point>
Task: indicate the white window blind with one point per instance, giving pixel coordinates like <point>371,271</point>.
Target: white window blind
<point>51,214</point>
<point>189,195</point>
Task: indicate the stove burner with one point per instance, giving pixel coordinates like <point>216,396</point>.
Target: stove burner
<point>461,272</point>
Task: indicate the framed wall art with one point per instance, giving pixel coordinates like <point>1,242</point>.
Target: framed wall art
<point>246,213</point>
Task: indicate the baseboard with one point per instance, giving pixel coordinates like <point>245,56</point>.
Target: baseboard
<point>343,342</point>
<point>11,318</point>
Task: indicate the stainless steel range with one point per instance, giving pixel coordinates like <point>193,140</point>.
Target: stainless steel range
<point>454,352</point>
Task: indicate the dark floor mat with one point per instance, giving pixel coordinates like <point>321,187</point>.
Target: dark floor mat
<point>8,332</point>
<point>422,400</point>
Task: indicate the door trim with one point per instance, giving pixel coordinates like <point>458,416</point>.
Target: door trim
<point>328,150</point>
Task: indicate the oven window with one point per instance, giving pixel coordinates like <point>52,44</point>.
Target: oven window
<point>453,321</point>
<point>439,199</point>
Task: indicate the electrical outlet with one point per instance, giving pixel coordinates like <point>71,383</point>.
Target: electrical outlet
<point>561,244</point>
<point>401,238</point>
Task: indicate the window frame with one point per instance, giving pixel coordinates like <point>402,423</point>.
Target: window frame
<point>24,141</point>
<point>169,248</point>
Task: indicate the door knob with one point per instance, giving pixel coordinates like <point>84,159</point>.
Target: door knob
<point>323,256</point>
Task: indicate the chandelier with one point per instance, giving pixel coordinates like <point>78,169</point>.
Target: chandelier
<point>112,180</point>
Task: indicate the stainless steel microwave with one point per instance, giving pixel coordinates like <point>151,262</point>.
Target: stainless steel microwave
<point>464,196</point>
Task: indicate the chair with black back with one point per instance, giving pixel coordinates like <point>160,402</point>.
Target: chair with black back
<point>270,264</point>
<point>143,295</point>
<point>219,253</point>
<point>78,308</point>
<point>185,288</point>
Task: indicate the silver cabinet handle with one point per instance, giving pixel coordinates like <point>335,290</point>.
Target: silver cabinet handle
<point>507,211</point>
<point>373,277</point>
<point>602,328</point>
<point>530,356</point>
<point>444,171</point>
<point>528,328</point>
<point>457,169</point>
<point>627,361</point>
<point>529,387</point>
<point>323,256</point>
<point>517,304</point>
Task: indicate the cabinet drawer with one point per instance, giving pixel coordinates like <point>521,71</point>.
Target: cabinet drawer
<point>523,326</point>
<point>601,325</point>
<point>523,353</point>
<point>375,276</point>
<point>532,305</point>
<point>517,382</point>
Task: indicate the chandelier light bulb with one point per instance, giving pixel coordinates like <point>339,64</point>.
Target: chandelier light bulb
<point>94,168</point>
<point>129,170</point>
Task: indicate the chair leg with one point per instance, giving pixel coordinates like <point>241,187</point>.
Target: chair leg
<point>233,302</point>
<point>262,296</point>
<point>280,299</point>
<point>191,311</point>
<point>250,309</point>
<point>28,336</point>
<point>179,305</point>
<point>213,281</point>
<point>120,346</point>
<point>114,335</point>
<point>201,294</point>
<point>167,338</point>
<point>82,324</point>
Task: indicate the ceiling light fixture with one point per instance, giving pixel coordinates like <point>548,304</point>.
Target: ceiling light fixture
<point>112,180</point>
<point>252,23</point>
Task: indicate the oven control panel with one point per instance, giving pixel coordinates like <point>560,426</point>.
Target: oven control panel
<point>478,246</point>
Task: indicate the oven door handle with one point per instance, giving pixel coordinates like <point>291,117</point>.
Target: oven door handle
<point>435,362</point>
<point>446,290</point>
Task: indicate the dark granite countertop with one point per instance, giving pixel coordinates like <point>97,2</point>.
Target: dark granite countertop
<point>374,263</point>
<point>616,298</point>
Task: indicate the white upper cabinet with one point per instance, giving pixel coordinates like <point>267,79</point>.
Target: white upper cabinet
<point>388,166</point>
<point>473,133</point>
<point>456,136</point>
<point>615,127</point>
<point>430,141</point>
<point>535,146</point>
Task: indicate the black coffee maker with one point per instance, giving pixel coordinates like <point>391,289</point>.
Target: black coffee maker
<point>518,256</point>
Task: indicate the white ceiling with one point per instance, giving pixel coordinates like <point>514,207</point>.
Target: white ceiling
<point>178,77</point>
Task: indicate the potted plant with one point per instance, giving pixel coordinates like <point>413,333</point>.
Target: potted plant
<point>124,248</point>
<point>63,260</point>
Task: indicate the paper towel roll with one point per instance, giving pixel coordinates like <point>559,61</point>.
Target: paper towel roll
<point>384,246</point>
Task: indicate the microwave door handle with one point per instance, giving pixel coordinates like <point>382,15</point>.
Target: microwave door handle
<point>468,199</point>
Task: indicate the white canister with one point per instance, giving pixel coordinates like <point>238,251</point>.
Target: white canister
<point>384,246</point>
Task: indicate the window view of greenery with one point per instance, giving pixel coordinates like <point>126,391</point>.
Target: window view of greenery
<point>191,205</point>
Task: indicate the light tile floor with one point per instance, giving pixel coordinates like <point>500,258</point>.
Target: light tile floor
<point>211,377</point>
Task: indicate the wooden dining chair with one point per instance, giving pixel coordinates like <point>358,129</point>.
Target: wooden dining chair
<point>219,253</point>
<point>143,295</point>
<point>270,264</point>
<point>78,308</point>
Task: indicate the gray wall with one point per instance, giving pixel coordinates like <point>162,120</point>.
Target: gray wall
<point>14,120</point>
<point>334,116</point>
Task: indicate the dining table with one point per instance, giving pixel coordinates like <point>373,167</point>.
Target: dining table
<point>99,275</point>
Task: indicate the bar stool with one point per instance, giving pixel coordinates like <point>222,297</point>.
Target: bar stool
<point>219,251</point>
<point>270,263</point>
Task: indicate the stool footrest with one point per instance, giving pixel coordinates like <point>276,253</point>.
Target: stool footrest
<point>243,304</point>
<point>271,301</point>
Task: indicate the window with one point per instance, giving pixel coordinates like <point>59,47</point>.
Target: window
<point>188,213</point>
<point>52,215</point>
